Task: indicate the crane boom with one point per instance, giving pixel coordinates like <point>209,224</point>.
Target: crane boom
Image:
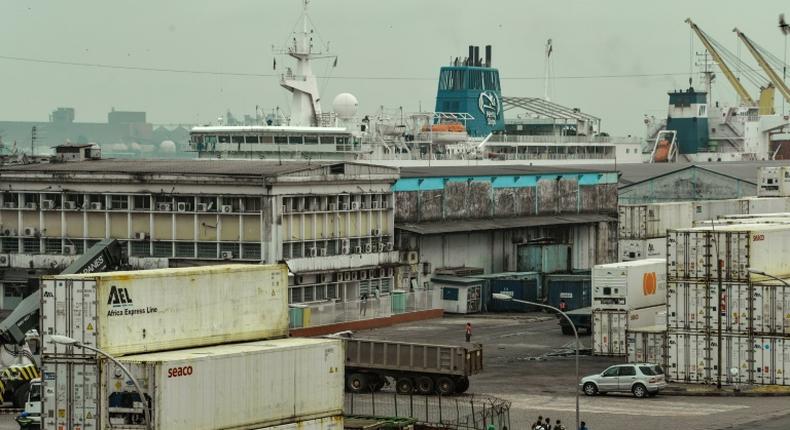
<point>736,84</point>
<point>775,79</point>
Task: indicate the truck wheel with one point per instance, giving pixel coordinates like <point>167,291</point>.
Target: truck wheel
<point>356,383</point>
<point>424,385</point>
<point>461,385</point>
<point>445,386</point>
<point>404,386</point>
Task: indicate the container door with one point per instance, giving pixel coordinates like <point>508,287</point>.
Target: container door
<point>763,351</point>
<point>634,353</point>
<point>600,338</point>
<point>618,326</point>
<point>676,357</point>
<point>69,309</point>
<point>760,319</point>
<point>69,395</point>
<point>783,310</point>
<point>782,366</point>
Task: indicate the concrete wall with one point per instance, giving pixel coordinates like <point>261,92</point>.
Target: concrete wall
<point>685,185</point>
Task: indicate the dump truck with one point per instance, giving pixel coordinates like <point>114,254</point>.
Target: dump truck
<point>412,367</point>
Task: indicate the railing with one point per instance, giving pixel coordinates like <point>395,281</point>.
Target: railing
<point>504,138</point>
<point>382,307</point>
<point>473,412</point>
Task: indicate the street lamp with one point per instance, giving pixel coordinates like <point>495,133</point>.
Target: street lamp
<point>65,340</point>
<point>506,298</point>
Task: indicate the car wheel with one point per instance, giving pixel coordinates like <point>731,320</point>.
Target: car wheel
<point>639,391</point>
<point>590,389</point>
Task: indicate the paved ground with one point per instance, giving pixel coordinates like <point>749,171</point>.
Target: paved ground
<point>518,369</point>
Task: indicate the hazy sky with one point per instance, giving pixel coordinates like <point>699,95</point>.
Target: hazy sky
<point>374,39</point>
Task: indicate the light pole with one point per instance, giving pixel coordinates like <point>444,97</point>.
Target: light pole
<point>65,340</point>
<point>505,297</point>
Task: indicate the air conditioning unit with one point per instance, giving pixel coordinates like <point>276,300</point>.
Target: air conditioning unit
<point>226,209</point>
<point>354,206</point>
<point>368,248</point>
<point>9,205</point>
<point>8,232</point>
<point>384,204</point>
<point>226,255</point>
<point>322,252</point>
<point>344,206</point>
<point>96,206</point>
<point>140,235</point>
<point>375,232</point>
<point>363,275</point>
<point>69,205</point>
<point>182,206</point>
<point>69,249</point>
<point>389,246</point>
<point>165,207</point>
<point>31,205</point>
<point>326,277</point>
<point>47,204</point>
<point>29,231</point>
<point>300,280</point>
<point>412,257</point>
<point>312,252</point>
<point>347,276</point>
<point>5,260</point>
<point>201,207</point>
<point>345,250</point>
<point>357,250</point>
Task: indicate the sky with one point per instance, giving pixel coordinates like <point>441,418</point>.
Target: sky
<point>376,41</point>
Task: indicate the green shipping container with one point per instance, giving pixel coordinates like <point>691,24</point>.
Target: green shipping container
<point>398,301</point>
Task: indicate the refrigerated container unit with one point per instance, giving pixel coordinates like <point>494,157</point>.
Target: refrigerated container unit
<point>610,327</point>
<point>647,344</point>
<point>692,253</point>
<point>712,209</point>
<point>242,386</point>
<point>544,258</point>
<point>695,306</point>
<point>629,285</point>
<point>460,295</point>
<point>647,221</point>
<point>640,249</point>
<point>758,205</point>
<point>575,290</point>
<point>151,310</point>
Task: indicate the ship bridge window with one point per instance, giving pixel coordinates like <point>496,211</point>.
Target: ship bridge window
<point>250,139</point>
<point>310,140</point>
<point>223,139</point>
<point>280,139</point>
<point>208,140</point>
<point>295,140</point>
<point>702,110</point>
<point>328,140</point>
<point>342,140</point>
<point>266,139</point>
<point>237,139</point>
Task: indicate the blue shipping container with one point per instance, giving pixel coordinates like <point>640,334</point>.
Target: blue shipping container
<point>522,289</point>
<point>576,290</point>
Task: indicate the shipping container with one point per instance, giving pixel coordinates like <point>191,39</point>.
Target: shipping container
<point>773,181</point>
<point>241,386</point>
<point>629,285</point>
<point>609,327</point>
<point>692,253</point>
<point>771,307</point>
<point>521,289</point>
<point>756,216</point>
<point>329,423</point>
<point>575,290</point>
<point>653,220</point>
<point>738,221</point>
<point>647,344</point>
<point>640,249</point>
<point>693,358</point>
<point>757,205</point>
<point>771,360</point>
<point>543,258</point>
<point>151,310</point>
<point>712,209</point>
<point>695,306</point>
<point>460,295</point>
<point>69,398</point>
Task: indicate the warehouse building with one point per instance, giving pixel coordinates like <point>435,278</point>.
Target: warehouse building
<point>486,216</point>
<point>333,223</point>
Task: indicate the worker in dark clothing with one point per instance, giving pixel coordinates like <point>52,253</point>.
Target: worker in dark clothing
<point>563,306</point>
<point>468,332</point>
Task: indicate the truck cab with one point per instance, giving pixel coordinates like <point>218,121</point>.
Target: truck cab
<point>30,418</point>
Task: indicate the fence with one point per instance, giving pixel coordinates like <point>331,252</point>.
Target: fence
<point>381,307</point>
<point>473,412</point>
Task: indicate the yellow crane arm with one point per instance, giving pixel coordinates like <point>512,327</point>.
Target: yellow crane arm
<point>775,79</point>
<point>742,93</point>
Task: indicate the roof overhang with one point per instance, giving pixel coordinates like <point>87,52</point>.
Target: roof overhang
<point>458,226</point>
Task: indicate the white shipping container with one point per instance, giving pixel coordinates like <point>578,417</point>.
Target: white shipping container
<point>629,285</point>
<point>647,344</point>
<point>639,249</point>
<point>241,386</point>
<point>329,423</point>
<point>69,397</point>
<point>653,220</point>
<point>691,253</point>
<point>736,221</point>
<point>151,310</point>
<point>609,332</point>
<point>757,205</point>
<point>736,354</point>
<point>771,360</point>
<point>771,308</point>
<point>712,209</point>
<point>645,317</point>
<point>688,358</point>
<point>755,216</point>
<point>694,306</point>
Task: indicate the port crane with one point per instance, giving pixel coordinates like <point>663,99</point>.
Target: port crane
<point>756,52</point>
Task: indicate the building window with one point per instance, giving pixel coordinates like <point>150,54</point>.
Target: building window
<point>207,250</point>
<point>223,139</point>
<point>9,245</point>
<point>185,249</point>
<point>232,248</point>
<point>311,140</point>
<point>251,251</point>
<point>308,294</point>
<point>331,291</point>
<point>327,140</point>
<point>251,204</point>
<point>141,249</point>
<point>280,139</point>
<point>251,139</point>
<point>52,246</point>
<point>119,202</point>
<point>163,249</point>
<point>237,139</point>
<point>296,295</point>
<point>141,203</point>
<point>31,246</point>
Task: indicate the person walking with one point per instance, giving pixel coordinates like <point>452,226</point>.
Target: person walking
<point>584,426</point>
<point>468,332</point>
<point>363,304</point>
<point>538,424</point>
<point>559,426</point>
<point>547,426</point>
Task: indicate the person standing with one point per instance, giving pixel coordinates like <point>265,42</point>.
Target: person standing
<point>547,426</point>
<point>583,426</point>
<point>468,332</point>
<point>563,306</point>
<point>559,426</point>
<point>363,304</point>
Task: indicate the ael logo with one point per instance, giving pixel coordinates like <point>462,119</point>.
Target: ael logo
<point>119,297</point>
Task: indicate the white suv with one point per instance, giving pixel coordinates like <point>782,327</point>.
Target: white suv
<point>641,379</point>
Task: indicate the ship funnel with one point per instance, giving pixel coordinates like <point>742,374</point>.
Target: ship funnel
<point>477,56</point>
<point>488,55</point>
<point>470,59</point>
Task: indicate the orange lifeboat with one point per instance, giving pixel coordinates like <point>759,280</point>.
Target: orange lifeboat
<point>662,152</point>
<point>445,127</point>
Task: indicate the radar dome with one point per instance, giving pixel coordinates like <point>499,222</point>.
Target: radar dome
<point>345,106</point>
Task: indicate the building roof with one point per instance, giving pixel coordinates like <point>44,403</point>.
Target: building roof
<point>494,170</point>
<point>452,226</point>
<point>180,167</point>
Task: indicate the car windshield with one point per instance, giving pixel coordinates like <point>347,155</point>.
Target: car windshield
<point>651,370</point>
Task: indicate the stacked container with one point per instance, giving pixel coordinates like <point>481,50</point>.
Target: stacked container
<point>135,316</point>
<point>626,296</point>
<point>743,316</point>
